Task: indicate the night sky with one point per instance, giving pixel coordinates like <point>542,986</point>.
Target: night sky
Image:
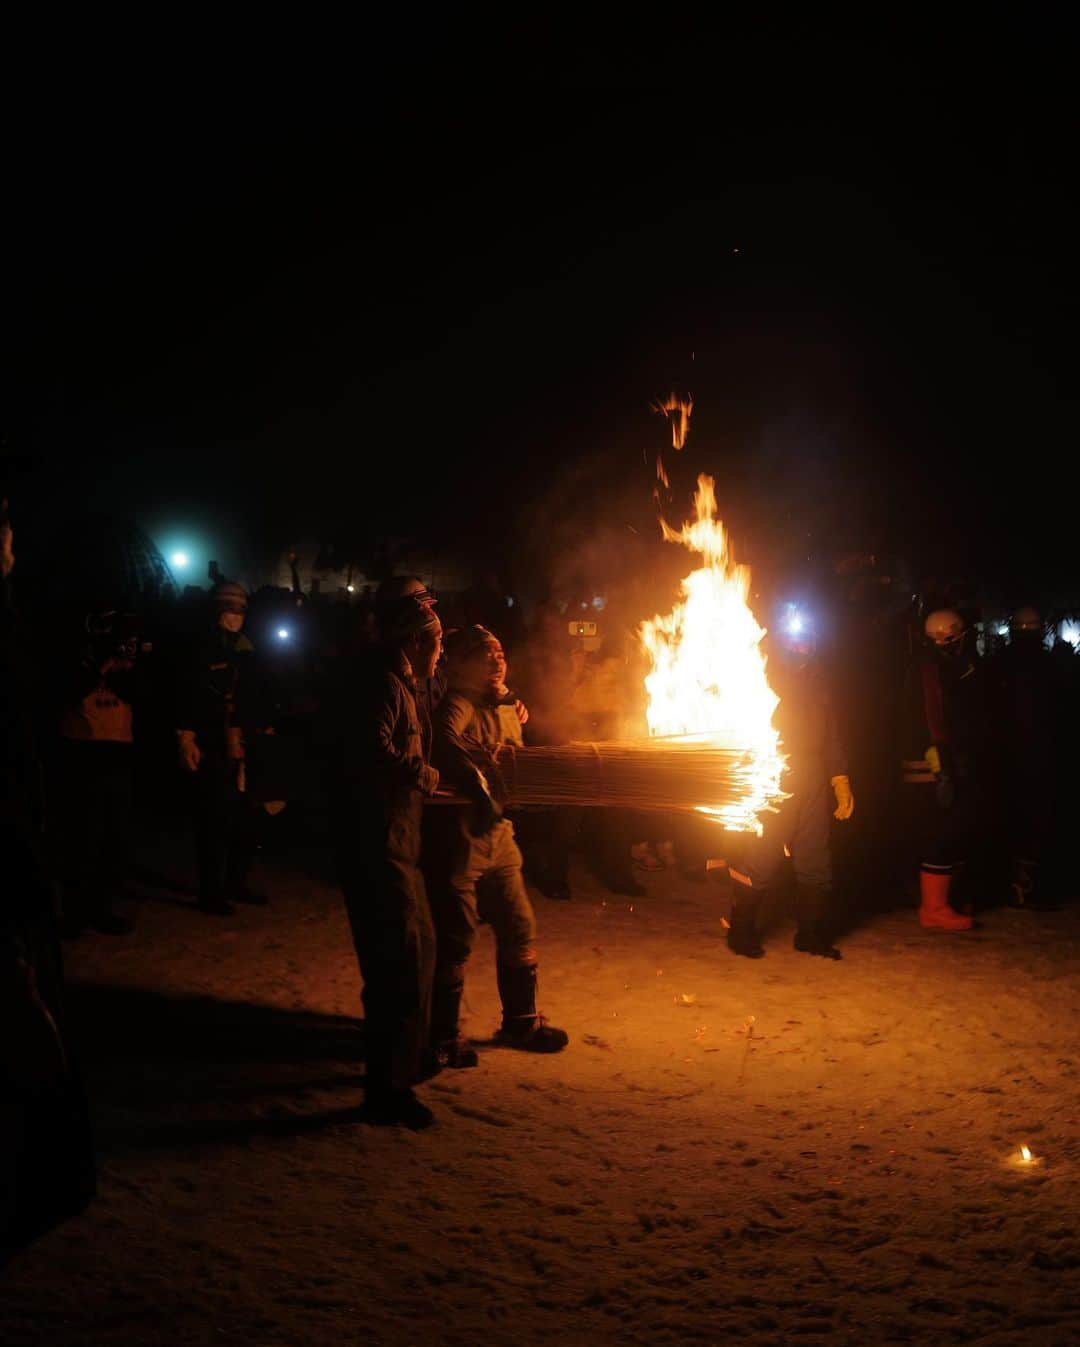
<point>427,282</point>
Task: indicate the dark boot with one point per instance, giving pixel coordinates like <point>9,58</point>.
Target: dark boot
<point>213,905</point>
<point>237,873</point>
<point>1025,891</point>
<point>812,915</point>
<point>522,1026</point>
<point>248,896</point>
<point>552,886</point>
<point>107,922</point>
<point>449,1046</point>
<point>742,936</point>
<point>397,1108</point>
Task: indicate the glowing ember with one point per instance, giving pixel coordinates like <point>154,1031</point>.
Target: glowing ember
<point>708,676</point>
<point>1025,1154</point>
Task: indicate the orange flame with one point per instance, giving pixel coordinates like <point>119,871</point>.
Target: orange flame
<point>708,671</point>
<point>680,424</point>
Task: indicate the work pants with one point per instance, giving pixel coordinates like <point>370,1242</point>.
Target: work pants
<point>394,938</point>
<point>224,827</point>
<point>802,827</point>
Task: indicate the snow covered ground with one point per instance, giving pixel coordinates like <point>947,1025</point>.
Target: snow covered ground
<point>767,1152</point>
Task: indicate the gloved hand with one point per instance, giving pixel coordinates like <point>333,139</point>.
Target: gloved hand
<point>944,785</point>
<point>429,780</point>
<point>845,801</point>
<point>189,750</point>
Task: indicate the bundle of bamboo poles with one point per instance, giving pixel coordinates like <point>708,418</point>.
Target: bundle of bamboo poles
<point>647,774</point>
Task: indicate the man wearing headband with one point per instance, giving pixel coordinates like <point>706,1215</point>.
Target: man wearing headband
<point>474,859</point>
<point>385,774</point>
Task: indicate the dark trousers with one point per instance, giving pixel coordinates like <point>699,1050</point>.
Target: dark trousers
<point>94,809</point>
<point>224,828</point>
<point>394,938</point>
<point>479,879</point>
<point>548,836</point>
<point>802,827</point>
<point>944,836</point>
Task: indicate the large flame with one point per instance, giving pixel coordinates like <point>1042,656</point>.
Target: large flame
<point>708,676</point>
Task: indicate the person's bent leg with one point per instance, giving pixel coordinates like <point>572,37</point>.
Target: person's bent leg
<point>812,862</point>
<point>504,902</point>
<point>455,860</point>
<point>394,940</point>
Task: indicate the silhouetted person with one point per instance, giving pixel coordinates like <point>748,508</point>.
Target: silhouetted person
<point>217,706</point>
<point>942,767</point>
<point>46,1154</point>
<point>817,786</point>
<point>1028,718</point>
<point>94,774</point>
<point>381,778</point>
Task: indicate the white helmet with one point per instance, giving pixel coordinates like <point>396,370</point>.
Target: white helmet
<point>944,627</point>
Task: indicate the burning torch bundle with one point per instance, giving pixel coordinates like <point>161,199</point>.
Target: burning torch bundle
<point>678,773</point>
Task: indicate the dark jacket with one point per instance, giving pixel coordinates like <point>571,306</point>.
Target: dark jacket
<point>217,689</point>
<point>806,719</point>
<point>946,706</point>
<point>385,741</point>
<point>99,707</point>
<point>469,728</point>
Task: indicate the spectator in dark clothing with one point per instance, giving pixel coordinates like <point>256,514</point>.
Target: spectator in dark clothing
<point>218,704</point>
<point>943,765</point>
<point>381,776</point>
<point>817,784</point>
<point>46,1153</point>
<point>93,780</point>
<point>1025,690</point>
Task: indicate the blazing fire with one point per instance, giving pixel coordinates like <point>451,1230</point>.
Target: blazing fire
<point>708,676</point>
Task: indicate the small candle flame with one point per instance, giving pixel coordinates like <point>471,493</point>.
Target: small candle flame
<point>1025,1154</point>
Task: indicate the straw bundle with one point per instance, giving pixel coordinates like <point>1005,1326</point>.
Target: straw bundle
<point>661,773</point>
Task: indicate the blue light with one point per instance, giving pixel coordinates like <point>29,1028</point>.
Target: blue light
<point>283,633</point>
<point>180,560</point>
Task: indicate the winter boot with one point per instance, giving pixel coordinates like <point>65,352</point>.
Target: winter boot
<point>108,922</point>
<point>812,932</point>
<point>1025,891</point>
<point>522,1026</point>
<point>397,1108</point>
<point>742,936</point>
<point>249,896</point>
<point>553,887</point>
<point>449,1046</point>
<point>213,905</point>
<point>934,910</point>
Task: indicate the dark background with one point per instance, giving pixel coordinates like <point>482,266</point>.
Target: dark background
<point>425,278</point>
